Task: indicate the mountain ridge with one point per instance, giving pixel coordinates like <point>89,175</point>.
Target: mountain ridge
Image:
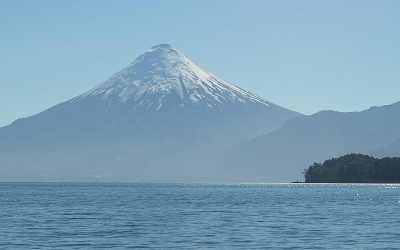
<point>283,154</point>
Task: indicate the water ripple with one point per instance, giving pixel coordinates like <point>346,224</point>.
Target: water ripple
<point>199,216</point>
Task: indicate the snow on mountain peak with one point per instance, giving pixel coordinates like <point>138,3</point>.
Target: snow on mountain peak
<point>163,72</point>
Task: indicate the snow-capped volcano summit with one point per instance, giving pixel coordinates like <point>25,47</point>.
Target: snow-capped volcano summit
<point>162,118</point>
<point>163,75</point>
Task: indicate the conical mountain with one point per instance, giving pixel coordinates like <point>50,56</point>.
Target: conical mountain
<point>163,76</point>
<point>162,118</point>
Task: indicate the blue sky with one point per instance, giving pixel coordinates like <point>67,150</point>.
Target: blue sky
<point>303,55</point>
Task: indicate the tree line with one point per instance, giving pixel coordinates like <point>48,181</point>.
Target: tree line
<point>354,168</point>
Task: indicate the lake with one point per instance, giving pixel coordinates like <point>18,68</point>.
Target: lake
<point>199,216</point>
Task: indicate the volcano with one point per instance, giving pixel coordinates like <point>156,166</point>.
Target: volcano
<point>162,118</point>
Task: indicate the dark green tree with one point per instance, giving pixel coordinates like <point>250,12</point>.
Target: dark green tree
<point>354,168</point>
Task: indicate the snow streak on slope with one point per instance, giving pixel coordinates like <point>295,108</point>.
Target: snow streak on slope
<point>163,72</point>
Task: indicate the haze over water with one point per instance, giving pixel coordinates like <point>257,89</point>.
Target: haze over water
<point>199,216</point>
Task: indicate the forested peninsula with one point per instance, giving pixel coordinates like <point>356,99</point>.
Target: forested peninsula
<point>354,168</point>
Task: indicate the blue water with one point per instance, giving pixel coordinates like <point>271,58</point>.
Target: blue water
<point>197,216</point>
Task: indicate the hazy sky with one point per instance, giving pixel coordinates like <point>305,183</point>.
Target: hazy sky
<point>303,55</point>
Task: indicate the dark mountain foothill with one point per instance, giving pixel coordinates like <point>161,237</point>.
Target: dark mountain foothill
<point>354,168</point>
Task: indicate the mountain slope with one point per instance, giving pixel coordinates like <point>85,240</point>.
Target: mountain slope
<point>162,118</point>
<point>392,150</point>
<point>163,71</point>
<point>283,154</point>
